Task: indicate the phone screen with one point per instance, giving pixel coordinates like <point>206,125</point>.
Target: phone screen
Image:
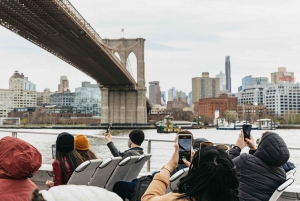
<point>247,130</point>
<point>185,147</point>
<point>53,147</point>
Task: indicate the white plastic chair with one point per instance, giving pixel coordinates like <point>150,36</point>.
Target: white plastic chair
<point>84,172</point>
<point>290,173</point>
<point>281,188</point>
<point>174,180</point>
<point>104,171</point>
<point>137,167</point>
<point>121,171</point>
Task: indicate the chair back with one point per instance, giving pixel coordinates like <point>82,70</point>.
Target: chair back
<point>121,171</point>
<point>174,179</point>
<point>137,167</point>
<point>281,188</point>
<point>84,172</point>
<point>104,171</point>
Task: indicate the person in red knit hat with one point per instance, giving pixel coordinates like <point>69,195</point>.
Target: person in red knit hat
<point>19,160</point>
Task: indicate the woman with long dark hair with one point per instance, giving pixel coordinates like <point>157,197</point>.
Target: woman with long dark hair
<point>67,160</point>
<point>82,146</point>
<point>212,177</point>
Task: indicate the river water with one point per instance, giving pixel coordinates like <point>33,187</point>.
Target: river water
<point>161,151</point>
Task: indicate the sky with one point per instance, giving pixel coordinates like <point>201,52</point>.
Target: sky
<point>183,39</point>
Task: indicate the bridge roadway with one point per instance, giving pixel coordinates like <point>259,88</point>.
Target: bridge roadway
<point>56,26</point>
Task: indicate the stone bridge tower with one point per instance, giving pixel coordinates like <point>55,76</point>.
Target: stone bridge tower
<point>125,104</point>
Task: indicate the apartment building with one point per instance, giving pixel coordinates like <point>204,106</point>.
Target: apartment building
<point>205,87</point>
<point>44,97</point>
<point>278,98</point>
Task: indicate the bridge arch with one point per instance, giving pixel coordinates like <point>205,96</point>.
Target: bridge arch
<point>124,47</point>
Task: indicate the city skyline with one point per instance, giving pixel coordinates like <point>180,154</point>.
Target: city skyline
<point>230,30</point>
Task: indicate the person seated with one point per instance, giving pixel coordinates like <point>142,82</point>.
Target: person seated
<point>82,146</point>
<point>66,161</point>
<point>136,138</point>
<point>261,170</point>
<point>288,166</point>
<point>212,176</point>
<point>18,162</point>
<point>74,193</point>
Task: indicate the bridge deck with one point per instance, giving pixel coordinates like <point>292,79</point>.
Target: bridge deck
<point>52,25</point>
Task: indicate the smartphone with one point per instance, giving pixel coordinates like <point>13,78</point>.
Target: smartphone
<point>53,147</point>
<point>108,128</point>
<point>247,130</point>
<point>185,147</point>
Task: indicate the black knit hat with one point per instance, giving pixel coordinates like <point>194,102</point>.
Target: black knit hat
<point>137,137</point>
<point>65,142</point>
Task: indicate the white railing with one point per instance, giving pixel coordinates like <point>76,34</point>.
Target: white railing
<point>14,133</point>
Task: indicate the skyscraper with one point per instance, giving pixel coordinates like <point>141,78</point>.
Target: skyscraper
<point>64,84</point>
<point>245,81</point>
<point>222,78</point>
<point>163,97</point>
<point>171,94</point>
<point>228,74</point>
<point>205,87</point>
<point>154,93</point>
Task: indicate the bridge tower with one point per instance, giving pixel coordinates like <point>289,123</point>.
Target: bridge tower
<point>125,104</point>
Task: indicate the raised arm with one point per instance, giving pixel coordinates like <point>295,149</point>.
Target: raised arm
<point>113,149</point>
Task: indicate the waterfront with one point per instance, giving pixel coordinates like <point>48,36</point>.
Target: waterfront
<point>161,151</point>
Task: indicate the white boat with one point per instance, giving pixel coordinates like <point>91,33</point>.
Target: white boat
<point>266,124</point>
<point>238,125</point>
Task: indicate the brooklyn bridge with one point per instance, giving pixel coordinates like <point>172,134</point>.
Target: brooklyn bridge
<point>57,27</point>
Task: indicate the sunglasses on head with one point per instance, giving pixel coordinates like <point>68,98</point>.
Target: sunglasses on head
<point>210,144</point>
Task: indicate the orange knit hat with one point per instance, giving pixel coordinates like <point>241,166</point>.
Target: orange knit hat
<point>81,142</point>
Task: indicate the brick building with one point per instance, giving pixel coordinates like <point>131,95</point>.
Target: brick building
<point>177,104</point>
<point>208,106</point>
<point>251,112</point>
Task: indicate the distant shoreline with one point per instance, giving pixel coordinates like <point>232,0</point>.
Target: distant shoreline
<point>119,127</point>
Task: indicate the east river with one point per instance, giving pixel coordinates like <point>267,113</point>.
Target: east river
<point>161,151</point>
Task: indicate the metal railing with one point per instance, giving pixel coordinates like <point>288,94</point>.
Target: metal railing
<point>14,133</point>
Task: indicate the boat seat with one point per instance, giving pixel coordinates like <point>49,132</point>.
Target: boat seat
<point>104,171</point>
<point>84,172</point>
<point>121,171</point>
<point>292,171</point>
<point>281,188</point>
<point>174,179</point>
<point>137,167</point>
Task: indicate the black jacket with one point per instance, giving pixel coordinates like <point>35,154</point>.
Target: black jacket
<point>261,173</point>
<point>136,151</point>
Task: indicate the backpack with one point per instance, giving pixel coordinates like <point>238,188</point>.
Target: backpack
<point>141,187</point>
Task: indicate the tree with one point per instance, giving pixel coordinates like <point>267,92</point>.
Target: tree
<point>24,121</point>
<point>206,119</point>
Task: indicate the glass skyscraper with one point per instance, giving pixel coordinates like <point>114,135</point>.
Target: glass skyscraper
<point>228,74</point>
<point>88,98</point>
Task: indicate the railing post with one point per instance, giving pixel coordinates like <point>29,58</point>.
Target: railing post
<point>149,152</point>
<point>14,134</point>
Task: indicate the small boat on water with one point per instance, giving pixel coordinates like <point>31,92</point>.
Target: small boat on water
<point>167,126</point>
<point>238,125</point>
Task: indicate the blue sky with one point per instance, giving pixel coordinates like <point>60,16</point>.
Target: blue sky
<point>183,39</point>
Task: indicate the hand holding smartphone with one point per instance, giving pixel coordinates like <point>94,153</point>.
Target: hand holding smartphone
<point>185,147</point>
<point>247,130</point>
